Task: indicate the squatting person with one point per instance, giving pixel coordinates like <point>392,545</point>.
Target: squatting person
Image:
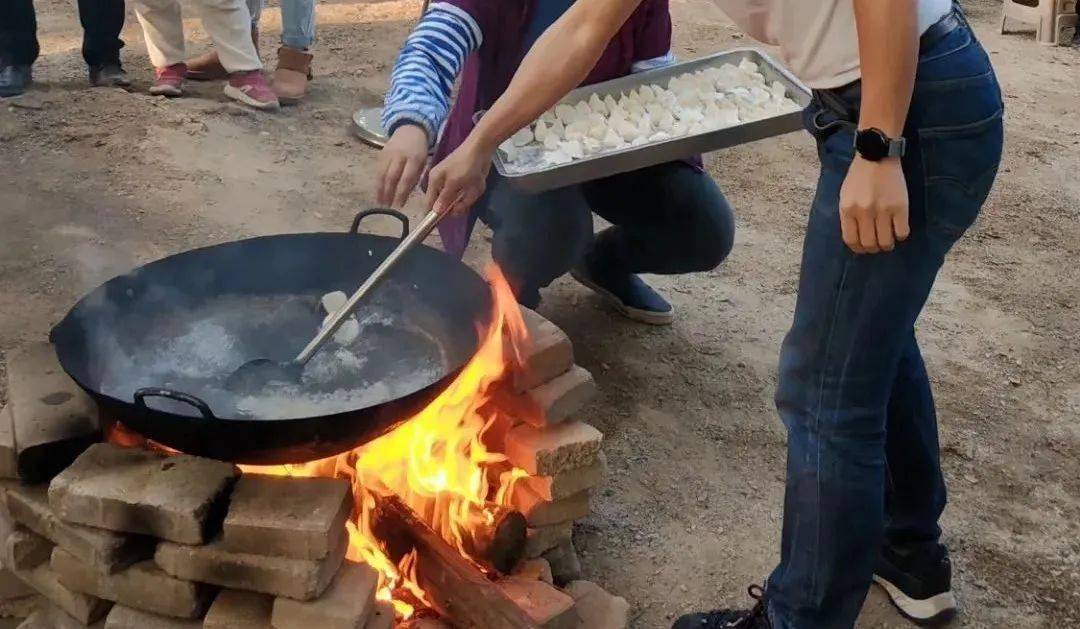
<point>669,219</point>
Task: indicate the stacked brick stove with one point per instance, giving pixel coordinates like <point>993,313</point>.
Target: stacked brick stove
<point>94,534</point>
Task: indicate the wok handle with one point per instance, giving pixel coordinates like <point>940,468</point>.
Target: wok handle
<point>176,396</point>
<point>383,212</point>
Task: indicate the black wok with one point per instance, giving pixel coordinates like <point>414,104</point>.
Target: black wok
<point>154,346</point>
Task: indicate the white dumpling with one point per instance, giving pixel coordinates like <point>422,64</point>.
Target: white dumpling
<point>597,105</point>
<point>618,113</point>
<point>659,136</point>
<point>549,117</point>
<point>644,127</point>
<point>697,127</point>
<point>541,131</point>
<point>591,146</point>
<point>665,122</point>
<point>574,149</point>
<point>598,129</point>
<point>680,128</point>
<point>759,95</point>
<point>691,116</point>
<point>552,141</point>
<point>332,302</point>
<point>639,140</point>
<point>748,66</point>
<point>348,332</point>
<point>778,90</point>
<point>647,94</point>
<point>576,130</point>
<point>523,137</point>
<point>689,97</point>
<point>509,150</point>
<point>566,113</point>
<point>613,140</point>
<point>609,102</point>
<point>558,128</point>
<point>583,109</point>
<point>625,129</point>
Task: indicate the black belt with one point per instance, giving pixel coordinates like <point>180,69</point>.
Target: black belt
<point>938,30</point>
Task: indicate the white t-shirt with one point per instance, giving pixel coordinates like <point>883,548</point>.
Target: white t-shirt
<point>817,38</point>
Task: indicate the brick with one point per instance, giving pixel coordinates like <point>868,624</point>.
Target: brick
<point>127,618</point>
<point>548,451</point>
<point>176,498</point>
<point>49,616</point>
<point>539,540</point>
<point>103,550</point>
<point>597,609</point>
<point>541,512</point>
<point>21,607</point>
<point>143,586</point>
<point>302,518</point>
<point>565,565</point>
<point>568,482</point>
<point>234,609</point>
<point>548,607</point>
<point>382,617</point>
<point>347,604</point>
<point>302,579</point>
<point>84,608</point>
<point>548,354</point>
<point>538,569</point>
<point>12,586</point>
<point>26,551</point>
<point>54,420</point>
<point>9,456</point>
<point>562,397</point>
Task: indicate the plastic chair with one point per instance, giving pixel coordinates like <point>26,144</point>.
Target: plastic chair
<point>1054,20</point>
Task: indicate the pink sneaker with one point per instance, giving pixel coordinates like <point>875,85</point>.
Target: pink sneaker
<point>169,81</point>
<point>250,87</point>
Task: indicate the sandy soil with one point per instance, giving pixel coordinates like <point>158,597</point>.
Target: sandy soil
<point>93,182</point>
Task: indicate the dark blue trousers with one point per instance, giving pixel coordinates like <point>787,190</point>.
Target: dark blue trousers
<point>853,390</point>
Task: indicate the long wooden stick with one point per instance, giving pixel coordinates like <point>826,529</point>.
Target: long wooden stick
<point>454,586</point>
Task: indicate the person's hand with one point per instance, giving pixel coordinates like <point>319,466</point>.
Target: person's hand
<point>401,163</point>
<point>874,206</point>
<point>459,180</point>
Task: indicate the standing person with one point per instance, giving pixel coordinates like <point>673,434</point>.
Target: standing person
<point>907,114</point>
<point>102,21</point>
<point>228,24</point>
<point>293,70</point>
<point>670,218</point>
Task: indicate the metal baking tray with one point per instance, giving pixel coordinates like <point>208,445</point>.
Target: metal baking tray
<point>633,158</point>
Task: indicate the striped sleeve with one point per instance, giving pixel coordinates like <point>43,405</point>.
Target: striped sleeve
<point>425,71</point>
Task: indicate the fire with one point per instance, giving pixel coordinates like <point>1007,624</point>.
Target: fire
<point>438,461</point>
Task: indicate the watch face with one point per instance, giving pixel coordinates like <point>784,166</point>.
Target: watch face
<point>872,144</point>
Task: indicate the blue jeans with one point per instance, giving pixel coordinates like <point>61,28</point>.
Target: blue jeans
<point>863,464</point>
<point>667,219</point>
<point>297,21</point>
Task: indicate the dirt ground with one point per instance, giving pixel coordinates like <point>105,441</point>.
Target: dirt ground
<point>93,182</point>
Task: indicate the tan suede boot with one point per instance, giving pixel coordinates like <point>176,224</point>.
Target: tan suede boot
<point>292,75</point>
<point>207,66</point>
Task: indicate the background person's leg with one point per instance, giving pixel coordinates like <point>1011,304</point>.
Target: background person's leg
<point>163,30</point>
<point>102,21</point>
<point>536,237</point>
<point>667,219</point>
<point>298,23</point>
<point>18,33</point>
<point>228,23</point>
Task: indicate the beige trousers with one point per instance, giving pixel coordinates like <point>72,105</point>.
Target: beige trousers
<point>227,22</point>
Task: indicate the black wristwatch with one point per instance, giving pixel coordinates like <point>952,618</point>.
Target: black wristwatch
<point>873,145</point>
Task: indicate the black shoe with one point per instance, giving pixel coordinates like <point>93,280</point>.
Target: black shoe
<point>735,618</point>
<point>625,292</point>
<point>14,79</point>
<point>918,580</point>
<point>109,75</point>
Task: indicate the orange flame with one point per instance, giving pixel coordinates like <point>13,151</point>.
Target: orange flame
<point>439,462</point>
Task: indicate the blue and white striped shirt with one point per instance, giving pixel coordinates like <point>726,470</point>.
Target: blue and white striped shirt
<point>431,59</point>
